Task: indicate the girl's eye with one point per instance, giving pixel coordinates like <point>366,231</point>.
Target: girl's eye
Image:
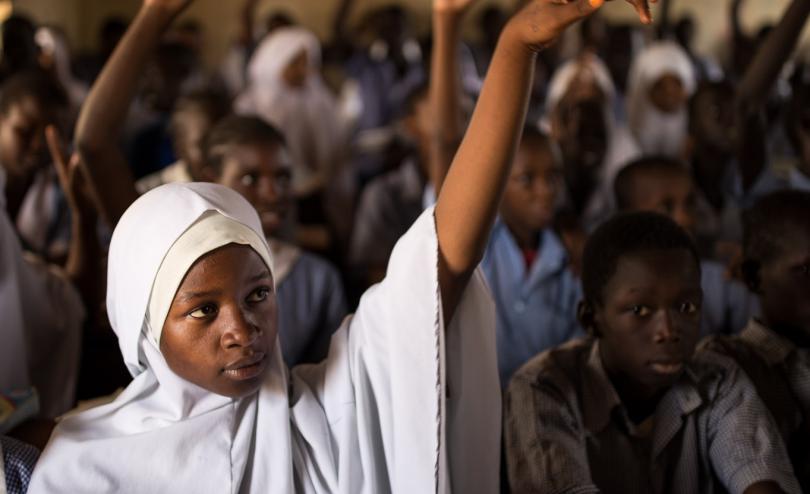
<point>259,295</point>
<point>688,308</point>
<point>204,312</point>
<point>641,310</point>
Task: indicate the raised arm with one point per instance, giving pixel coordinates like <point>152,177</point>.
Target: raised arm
<point>469,198</point>
<point>102,117</point>
<point>445,87</point>
<point>756,85</point>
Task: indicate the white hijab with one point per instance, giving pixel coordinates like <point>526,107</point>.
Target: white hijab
<point>308,116</point>
<point>372,418</point>
<point>656,131</point>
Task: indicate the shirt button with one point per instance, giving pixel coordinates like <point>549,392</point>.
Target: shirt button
<point>520,307</point>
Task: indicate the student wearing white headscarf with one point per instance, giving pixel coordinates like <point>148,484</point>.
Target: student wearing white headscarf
<point>400,405</point>
<point>662,78</point>
<point>40,332</point>
<point>600,153</point>
<point>286,89</point>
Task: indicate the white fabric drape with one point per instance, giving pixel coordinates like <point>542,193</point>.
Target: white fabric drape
<point>658,132</point>
<point>307,116</point>
<point>42,317</point>
<point>399,405</point>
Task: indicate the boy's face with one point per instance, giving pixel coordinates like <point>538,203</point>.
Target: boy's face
<point>192,126</point>
<point>262,174</point>
<point>531,191</point>
<point>671,194</point>
<point>22,137</point>
<point>714,120</point>
<point>649,321</point>
<point>668,94</point>
<point>784,284</point>
<point>221,327</point>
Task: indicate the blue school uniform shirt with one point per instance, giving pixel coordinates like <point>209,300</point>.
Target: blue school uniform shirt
<point>311,306</point>
<point>727,304</point>
<point>536,309</point>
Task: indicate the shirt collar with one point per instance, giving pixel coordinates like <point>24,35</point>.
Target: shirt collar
<point>602,399</point>
<point>774,347</point>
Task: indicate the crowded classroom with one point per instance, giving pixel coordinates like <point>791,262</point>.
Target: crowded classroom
<point>405,246</point>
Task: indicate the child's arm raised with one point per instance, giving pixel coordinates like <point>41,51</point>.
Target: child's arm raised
<point>102,117</point>
<point>469,198</point>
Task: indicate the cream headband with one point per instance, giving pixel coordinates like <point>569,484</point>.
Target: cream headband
<point>212,231</point>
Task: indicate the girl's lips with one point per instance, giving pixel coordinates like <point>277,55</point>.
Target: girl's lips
<point>246,368</point>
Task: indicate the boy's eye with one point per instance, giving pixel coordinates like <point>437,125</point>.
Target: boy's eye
<point>259,295</point>
<point>203,312</point>
<point>805,269</point>
<point>640,310</point>
<point>249,179</point>
<point>687,308</point>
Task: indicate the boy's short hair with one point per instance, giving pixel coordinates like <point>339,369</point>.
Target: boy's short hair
<point>623,235</point>
<point>624,185</point>
<point>34,84</point>
<point>212,103</point>
<point>770,222</point>
<point>533,134</point>
<point>237,130</point>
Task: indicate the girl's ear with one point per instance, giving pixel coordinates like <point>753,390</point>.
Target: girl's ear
<point>586,315</point>
<point>751,275</point>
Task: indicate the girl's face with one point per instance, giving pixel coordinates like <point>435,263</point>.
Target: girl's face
<point>649,320</point>
<point>296,72</point>
<point>221,327</point>
<point>668,94</point>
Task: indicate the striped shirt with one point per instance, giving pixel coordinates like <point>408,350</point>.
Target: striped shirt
<point>18,464</point>
<point>780,372</point>
<point>566,430</point>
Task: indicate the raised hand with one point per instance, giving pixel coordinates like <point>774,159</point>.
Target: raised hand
<point>175,6</point>
<point>643,9</point>
<point>540,22</point>
<point>71,177</point>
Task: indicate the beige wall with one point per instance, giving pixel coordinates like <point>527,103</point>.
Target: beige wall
<point>81,18</point>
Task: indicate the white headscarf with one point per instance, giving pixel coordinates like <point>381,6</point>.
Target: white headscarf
<point>373,418</point>
<point>587,66</point>
<point>655,131</point>
<point>307,116</point>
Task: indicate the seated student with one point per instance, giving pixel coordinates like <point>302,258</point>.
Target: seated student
<point>664,185</point>
<point>17,461</point>
<point>631,408</point>
<point>390,203</point>
<point>250,156</point>
<point>774,349</point>
<point>30,101</point>
<point>193,116</point>
<point>407,400</point>
<point>526,264</point>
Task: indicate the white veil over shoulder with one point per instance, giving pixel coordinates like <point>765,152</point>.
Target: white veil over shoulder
<point>374,417</point>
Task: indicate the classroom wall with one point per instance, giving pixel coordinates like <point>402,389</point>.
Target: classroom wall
<point>81,18</point>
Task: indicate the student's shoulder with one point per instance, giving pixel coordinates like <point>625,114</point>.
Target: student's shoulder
<point>557,368</point>
<point>723,348</point>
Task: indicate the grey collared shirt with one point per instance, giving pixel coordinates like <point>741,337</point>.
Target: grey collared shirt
<point>566,430</point>
<point>780,372</point>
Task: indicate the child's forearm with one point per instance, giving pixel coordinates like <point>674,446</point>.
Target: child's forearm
<point>445,93</point>
<point>102,117</point>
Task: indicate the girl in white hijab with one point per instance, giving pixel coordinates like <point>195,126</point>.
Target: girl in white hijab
<point>400,405</point>
<point>662,78</point>
<point>286,89</point>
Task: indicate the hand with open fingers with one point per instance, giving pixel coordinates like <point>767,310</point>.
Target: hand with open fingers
<point>540,22</point>
<point>643,9</point>
<point>452,6</point>
<point>72,178</point>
